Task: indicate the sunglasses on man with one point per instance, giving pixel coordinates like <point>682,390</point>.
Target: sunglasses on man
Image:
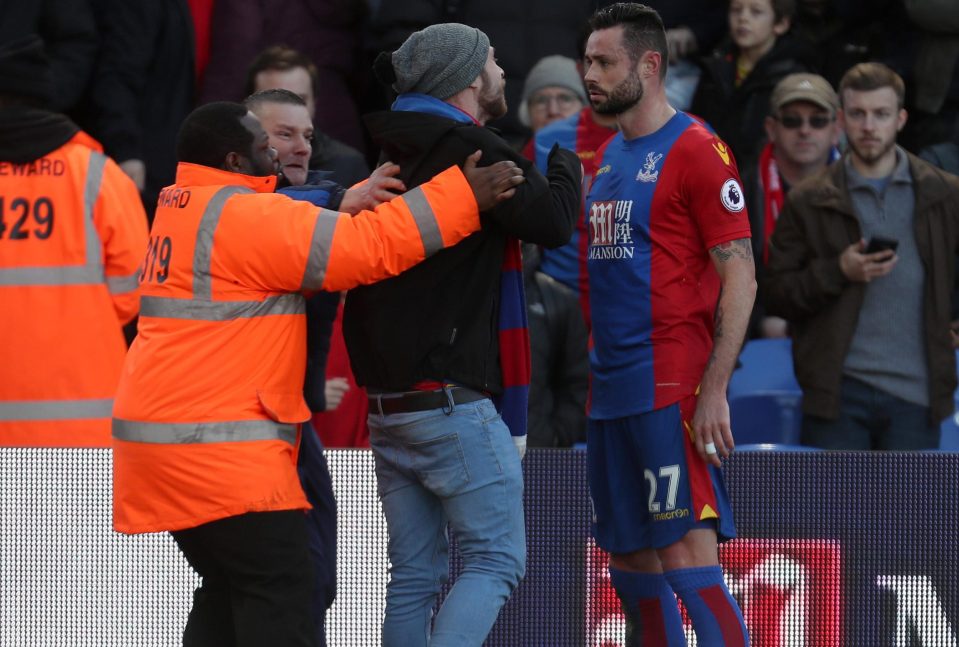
<point>792,122</point>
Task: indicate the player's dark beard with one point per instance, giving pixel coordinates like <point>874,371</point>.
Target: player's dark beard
<point>623,97</point>
<point>492,100</point>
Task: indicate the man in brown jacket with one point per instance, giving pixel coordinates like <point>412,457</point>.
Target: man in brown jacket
<point>861,264</point>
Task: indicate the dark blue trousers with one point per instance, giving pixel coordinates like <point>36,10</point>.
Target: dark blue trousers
<point>320,525</point>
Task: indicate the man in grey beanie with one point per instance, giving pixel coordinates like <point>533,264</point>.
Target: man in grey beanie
<point>436,347</point>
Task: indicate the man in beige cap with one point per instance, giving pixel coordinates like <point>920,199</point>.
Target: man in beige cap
<point>803,134</point>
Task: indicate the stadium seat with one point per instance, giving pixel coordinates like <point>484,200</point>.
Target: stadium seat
<point>949,429</point>
<point>765,365</point>
<point>772,416</point>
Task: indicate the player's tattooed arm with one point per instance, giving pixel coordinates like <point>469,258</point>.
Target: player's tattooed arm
<point>718,325</point>
<point>734,264</point>
<point>741,248</point>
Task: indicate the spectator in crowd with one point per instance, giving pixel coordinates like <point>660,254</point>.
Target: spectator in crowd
<point>72,236</point>
<point>803,134</point>
<point>671,288</point>
<point>70,39</point>
<point>284,68</point>
<point>560,363</point>
<point>281,67</point>
<point>584,133</point>
<point>285,117</point>
<point>861,265</point>
<point>553,90</point>
<point>286,120</point>
<point>558,337</point>
<point>142,88</point>
<point>733,92</point>
<point>693,28</point>
<point>326,32</point>
<point>838,39</point>
<point>201,14</point>
<point>434,345</point>
<point>934,100</point>
<point>944,154</point>
<point>208,457</point>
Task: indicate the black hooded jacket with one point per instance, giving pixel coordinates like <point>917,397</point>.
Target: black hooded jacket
<point>736,113</point>
<point>439,320</point>
<point>27,133</point>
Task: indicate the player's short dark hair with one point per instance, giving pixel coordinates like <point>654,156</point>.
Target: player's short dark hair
<point>282,58</point>
<point>212,131</point>
<point>872,76</point>
<point>643,29</point>
<point>276,95</point>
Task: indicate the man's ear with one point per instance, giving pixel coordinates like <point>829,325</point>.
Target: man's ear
<point>782,26</point>
<point>233,162</point>
<point>901,118</point>
<point>769,124</point>
<point>650,63</point>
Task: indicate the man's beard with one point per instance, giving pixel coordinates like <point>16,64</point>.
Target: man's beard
<point>492,100</point>
<point>873,157</point>
<point>623,97</point>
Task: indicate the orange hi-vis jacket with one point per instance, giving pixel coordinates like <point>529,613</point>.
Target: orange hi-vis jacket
<point>207,413</point>
<point>72,235</point>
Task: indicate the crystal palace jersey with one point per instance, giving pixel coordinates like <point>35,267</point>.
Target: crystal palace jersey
<point>657,204</point>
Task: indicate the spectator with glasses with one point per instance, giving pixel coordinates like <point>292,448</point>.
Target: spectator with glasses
<point>553,91</point>
<point>803,134</point>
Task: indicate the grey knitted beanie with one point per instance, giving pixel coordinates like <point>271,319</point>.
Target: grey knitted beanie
<point>551,71</point>
<point>440,60</point>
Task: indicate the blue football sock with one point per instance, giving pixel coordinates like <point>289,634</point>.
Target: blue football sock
<point>652,613</point>
<point>716,617</point>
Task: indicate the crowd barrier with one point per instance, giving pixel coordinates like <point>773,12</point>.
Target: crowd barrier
<point>834,549</point>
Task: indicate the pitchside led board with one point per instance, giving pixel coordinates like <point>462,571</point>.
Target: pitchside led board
<point>835,549</point>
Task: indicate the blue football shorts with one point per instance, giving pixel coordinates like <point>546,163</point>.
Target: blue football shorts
<point>648,486</point>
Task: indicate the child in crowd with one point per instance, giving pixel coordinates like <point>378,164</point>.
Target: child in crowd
<point>737,80</point>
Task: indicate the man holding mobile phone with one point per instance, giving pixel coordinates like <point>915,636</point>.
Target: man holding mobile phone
<point>861,264</point>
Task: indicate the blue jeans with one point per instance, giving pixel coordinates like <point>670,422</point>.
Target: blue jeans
<point>871,419</point>
<point>461,469</point>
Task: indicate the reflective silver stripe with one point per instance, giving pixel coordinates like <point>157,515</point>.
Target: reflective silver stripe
<point>90,193</point>
<point>169,308</point>
<point>52,276</point>
<point>425,220</point>
<point>202,253</point>
<point>202,432</point>
<point>55,409</point>
<point>320,246</point>
<point>123,284</point>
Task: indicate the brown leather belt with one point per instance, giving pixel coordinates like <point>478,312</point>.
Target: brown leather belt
<point>410,401</point>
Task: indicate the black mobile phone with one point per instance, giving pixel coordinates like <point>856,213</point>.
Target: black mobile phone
<point>881,244</point>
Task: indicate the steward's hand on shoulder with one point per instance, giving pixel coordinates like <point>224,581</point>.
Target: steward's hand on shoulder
<point>491,184</point>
